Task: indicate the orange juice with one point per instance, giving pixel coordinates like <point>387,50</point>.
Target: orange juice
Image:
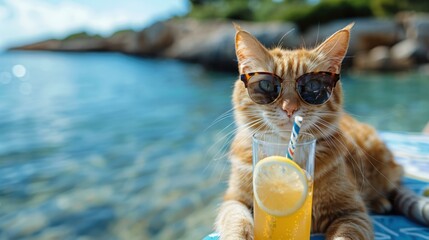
<point>294,226</point>
<point>283,200</point>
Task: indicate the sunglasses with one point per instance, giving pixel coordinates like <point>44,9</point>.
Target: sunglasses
<point>314,88</point>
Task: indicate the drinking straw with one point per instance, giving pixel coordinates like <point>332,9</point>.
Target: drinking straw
<point>294,137</point>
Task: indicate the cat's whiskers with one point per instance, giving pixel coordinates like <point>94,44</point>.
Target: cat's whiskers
<point>225,115</point>
<point>221,117</point>
<point>244,141</point>
<point>229,136</point>
<point>280,43</point>
<point>317,36</point>
<point>223,152</point>
<point>340,146</point>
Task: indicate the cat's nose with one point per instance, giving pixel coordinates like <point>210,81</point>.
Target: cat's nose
<point>290,107</point>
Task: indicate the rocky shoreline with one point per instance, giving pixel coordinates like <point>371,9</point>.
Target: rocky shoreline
<point>400,43</point>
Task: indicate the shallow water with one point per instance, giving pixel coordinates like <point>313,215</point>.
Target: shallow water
<point>107,146</point>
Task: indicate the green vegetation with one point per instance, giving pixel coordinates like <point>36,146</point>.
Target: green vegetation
<point>124,31</point>
<point>81,35</point>
<point>303,13</point>
<point>237,9</point>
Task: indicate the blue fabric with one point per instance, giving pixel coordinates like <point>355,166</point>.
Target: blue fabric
<point>411,151</point>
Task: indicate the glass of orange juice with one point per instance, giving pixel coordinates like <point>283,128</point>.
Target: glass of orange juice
<point>282,187</point>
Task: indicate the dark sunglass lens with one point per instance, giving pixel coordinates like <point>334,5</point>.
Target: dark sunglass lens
<point>264,88</point>
<point>315,88</point>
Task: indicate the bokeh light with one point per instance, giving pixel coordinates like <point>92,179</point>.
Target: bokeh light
<point>19,71</point>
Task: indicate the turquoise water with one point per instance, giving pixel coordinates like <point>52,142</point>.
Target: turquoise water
<point>108,146</point>
<point>390,102</point>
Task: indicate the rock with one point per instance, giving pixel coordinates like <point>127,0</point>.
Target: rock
<point>84,44</point>
<point>367,33</point>
<point>212,42</point>
<point>123,41</point>
<point>379,54</point>
<point>203,42</point>
<point>284,34</point>
<point>422,30</point>
<point>409,50</point>
<point>155,39</point>
<point>208,42</point>
<point>416,26</point>
<point>379,58</point>
<point>49,45</point>
<point>424,70</point>
<point>79,44</point>
<point>376,58</point>
<point>426,131</point>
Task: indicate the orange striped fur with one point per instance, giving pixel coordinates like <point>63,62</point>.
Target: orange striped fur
<point>355,172</point>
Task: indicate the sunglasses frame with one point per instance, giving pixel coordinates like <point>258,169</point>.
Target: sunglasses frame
<point>246,77</point>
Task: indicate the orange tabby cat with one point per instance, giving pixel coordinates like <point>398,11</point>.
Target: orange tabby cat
<point>354,173</point>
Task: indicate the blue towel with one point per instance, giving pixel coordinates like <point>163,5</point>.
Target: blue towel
<point>411,151</point>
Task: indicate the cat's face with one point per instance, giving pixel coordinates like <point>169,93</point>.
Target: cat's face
<point>289,65</point>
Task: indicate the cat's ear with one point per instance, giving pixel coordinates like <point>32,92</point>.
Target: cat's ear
<point>335,48</point>
<point>252,56</point>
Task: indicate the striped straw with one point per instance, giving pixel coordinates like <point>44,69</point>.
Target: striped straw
<point>294,136</point>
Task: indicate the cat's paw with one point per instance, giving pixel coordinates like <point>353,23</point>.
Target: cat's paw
<point>247,231</point>
<point>234,221</point>
<point>352,226</point>
<point>242,231</point>
<point>381,206</point>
